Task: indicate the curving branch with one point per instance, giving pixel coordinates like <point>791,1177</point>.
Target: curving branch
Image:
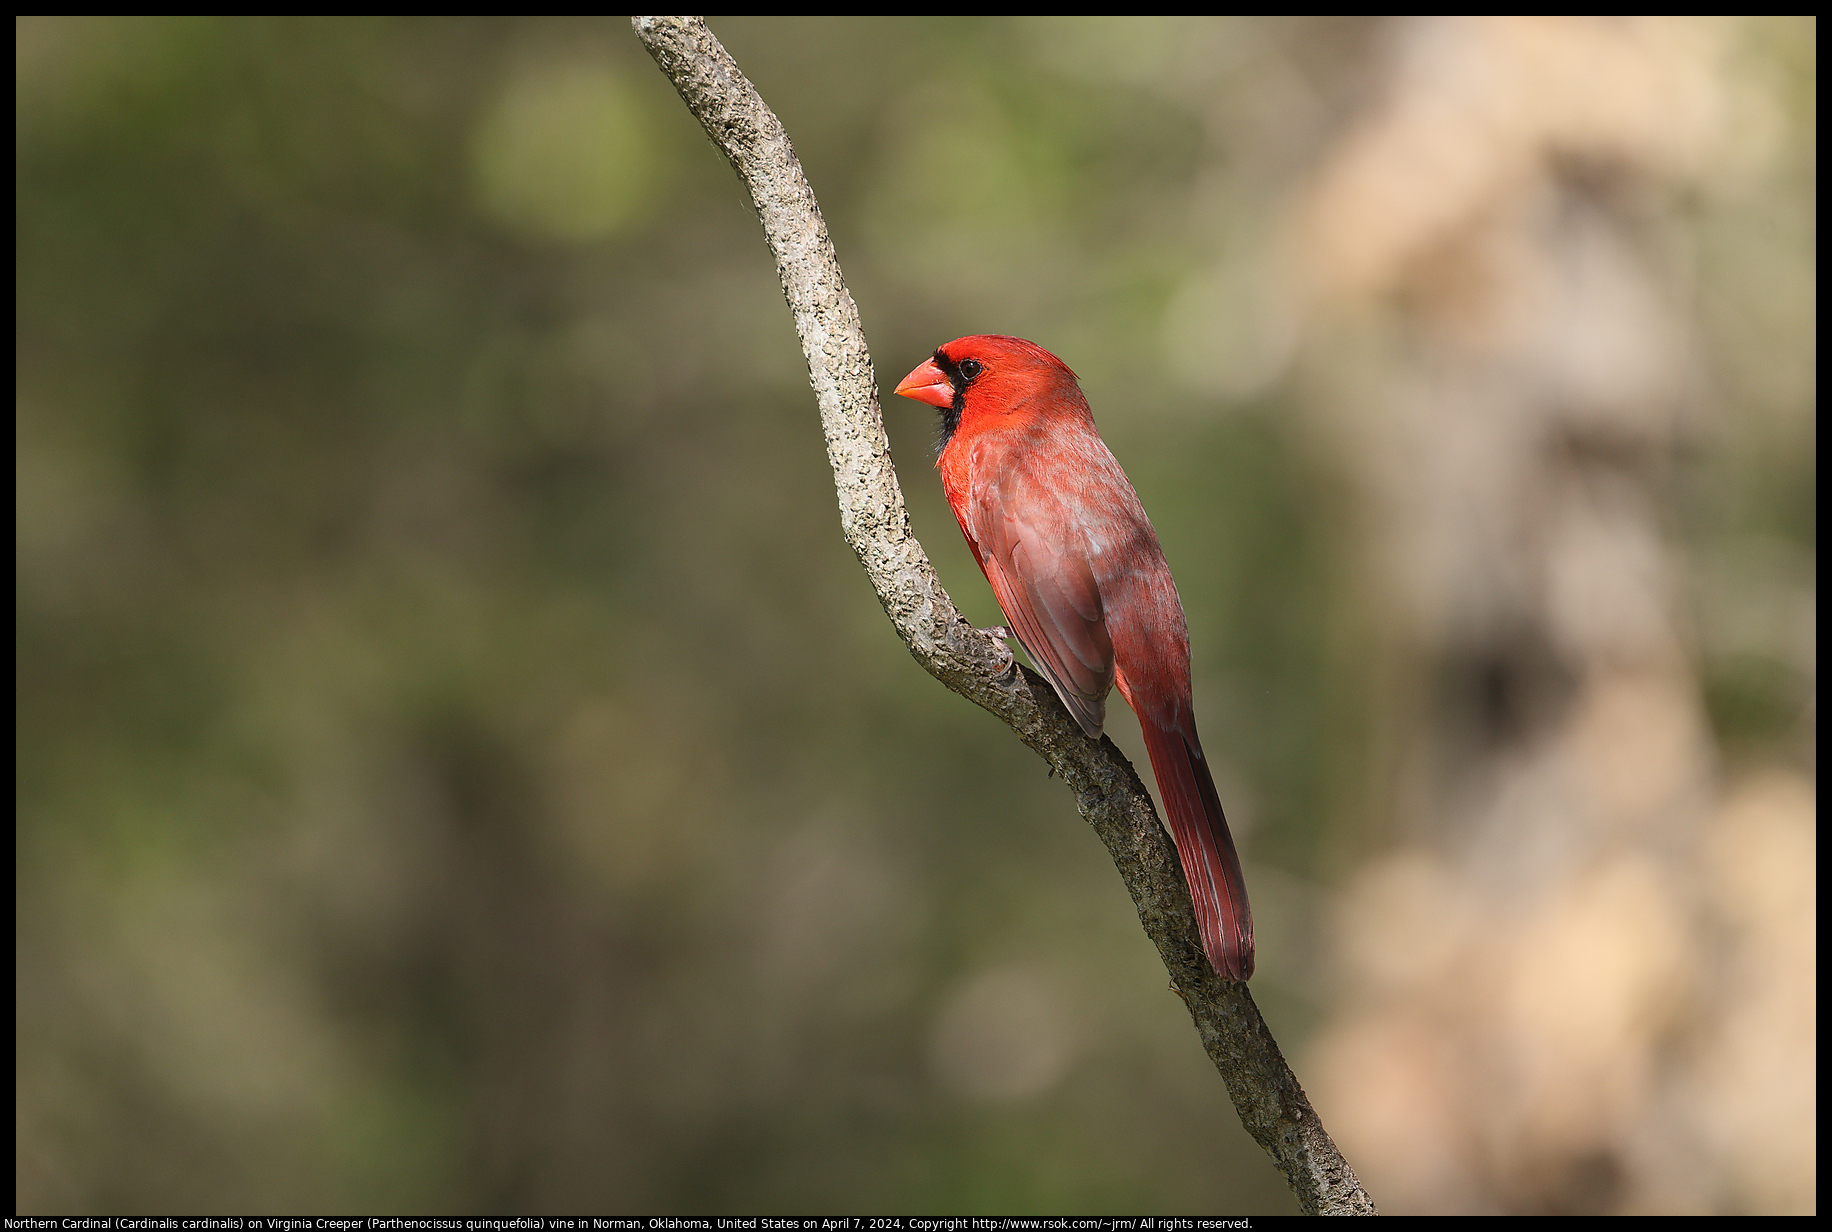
<point>1107,791</point>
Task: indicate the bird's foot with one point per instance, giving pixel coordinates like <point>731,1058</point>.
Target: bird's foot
<point>1001,635</point>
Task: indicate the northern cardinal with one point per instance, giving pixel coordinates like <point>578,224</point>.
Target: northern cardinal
<point>1076,566</point>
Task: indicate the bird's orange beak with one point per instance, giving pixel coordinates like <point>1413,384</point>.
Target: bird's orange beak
<point>928,383</point>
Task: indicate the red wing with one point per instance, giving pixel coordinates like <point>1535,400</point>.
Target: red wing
<point>1038,565</point>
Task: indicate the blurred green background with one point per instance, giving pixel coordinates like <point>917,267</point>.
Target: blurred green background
<point>462,768</point>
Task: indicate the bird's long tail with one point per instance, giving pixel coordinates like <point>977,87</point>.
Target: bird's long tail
<point>1210,863</point>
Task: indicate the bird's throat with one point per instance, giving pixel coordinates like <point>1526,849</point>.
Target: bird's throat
<point>950,420</point>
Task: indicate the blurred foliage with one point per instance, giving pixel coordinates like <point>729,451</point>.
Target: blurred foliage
<point>461,766</point>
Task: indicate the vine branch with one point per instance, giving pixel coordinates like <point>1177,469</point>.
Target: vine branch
<point>1107,790</point>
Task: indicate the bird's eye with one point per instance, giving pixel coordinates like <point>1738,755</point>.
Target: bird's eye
<point>970,368</point>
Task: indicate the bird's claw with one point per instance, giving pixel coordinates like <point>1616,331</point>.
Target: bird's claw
<point>1000,635</point>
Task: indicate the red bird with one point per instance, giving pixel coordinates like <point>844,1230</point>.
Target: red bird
<point>1076,565</point>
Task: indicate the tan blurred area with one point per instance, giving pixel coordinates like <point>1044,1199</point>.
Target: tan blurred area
<point>462,769</point>
<point>1554,985</point>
